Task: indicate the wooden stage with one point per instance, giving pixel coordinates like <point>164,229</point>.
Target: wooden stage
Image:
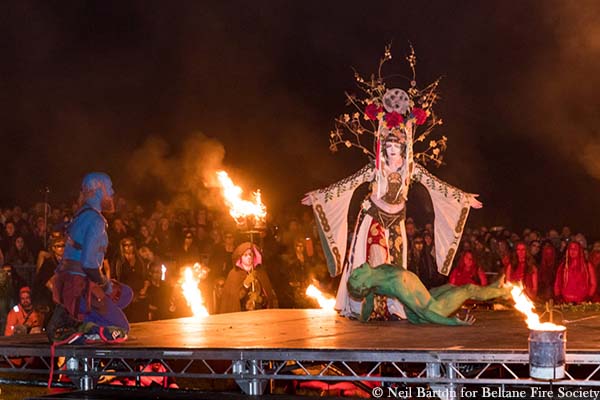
<point>313,329</point>
<point>282,329</point>
<point>282,344</point>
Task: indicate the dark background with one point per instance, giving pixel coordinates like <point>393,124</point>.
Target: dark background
<point>158,93</point>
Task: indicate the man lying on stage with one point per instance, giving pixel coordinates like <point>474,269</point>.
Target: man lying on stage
<point>421,306</point>
<point>90,305</point>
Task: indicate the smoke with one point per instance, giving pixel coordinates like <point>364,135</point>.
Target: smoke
<point>590,158</point>
<point>179,172</point>
<point>561,84</point>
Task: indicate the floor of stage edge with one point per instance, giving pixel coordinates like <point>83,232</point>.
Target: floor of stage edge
<point>314,330</point>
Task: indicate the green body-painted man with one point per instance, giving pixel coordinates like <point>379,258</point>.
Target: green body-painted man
<point>421,305</point>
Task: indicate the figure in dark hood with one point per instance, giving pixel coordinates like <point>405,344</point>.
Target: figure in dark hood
<point>248,286</point>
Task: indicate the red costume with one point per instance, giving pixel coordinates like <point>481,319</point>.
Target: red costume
<point>595,261</point>
<point>467,271</point>
<point>547,272</point>
<point>522,270</point>
<point>575,278</point>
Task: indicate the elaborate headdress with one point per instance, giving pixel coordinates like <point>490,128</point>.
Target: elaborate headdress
<point>382,111</point>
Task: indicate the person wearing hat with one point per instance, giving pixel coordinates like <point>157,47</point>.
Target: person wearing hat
<point>247,286</point>
<point>22,318</point>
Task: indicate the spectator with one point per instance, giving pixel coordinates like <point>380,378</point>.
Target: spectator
<point>504,255</point>
<point>411,231</point>
<point>55,217</point>
<point>158,295</point>
<point>575,278</point>
<point>423,264</point>
<point>547,271</point>
<point>534,250</point>
<point>22,318</point>
<point>147,256</point>
<point>294,278</point>
<point>19,254</point>
<point>117,233</point>
<point>582,241</point>
<point>566,233</point>
<point>42,285</point>
<point>468,272</point>
<point>188,252</point>
<point>595,261</point>
<point>37,241</point>
<point>10,235</point>
<point>220,260</point>
<point>18,218</point>
<point>7,295</point>
<point>15,283</point>
<point>166,239</point>
<point>554,238</point>
<point>202,240</point>
<point>145,238</point>
<point>293,231</point>
<point>522,269</point>
<point>130,270</point>
<point>484,257</point>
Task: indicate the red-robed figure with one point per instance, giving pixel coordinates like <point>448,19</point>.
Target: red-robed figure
<point>575,278</point>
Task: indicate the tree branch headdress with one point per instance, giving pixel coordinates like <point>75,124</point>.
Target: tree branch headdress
<point>381,111</point>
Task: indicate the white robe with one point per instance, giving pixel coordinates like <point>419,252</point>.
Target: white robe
<point>331,205</point>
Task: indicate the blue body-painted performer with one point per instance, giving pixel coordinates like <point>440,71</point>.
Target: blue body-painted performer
<point>92,302</point>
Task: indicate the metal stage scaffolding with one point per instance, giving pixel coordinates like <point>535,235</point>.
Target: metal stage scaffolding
<point>258,347</point>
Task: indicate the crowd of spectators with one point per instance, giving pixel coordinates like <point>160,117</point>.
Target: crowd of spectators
<point>561,267</point>
<point>149,249</point>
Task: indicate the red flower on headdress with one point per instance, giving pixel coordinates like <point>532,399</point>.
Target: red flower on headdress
<point>393,119</point>
<point>372,111</point>
<point>420,115</point>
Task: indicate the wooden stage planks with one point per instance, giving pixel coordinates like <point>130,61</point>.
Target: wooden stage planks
<point>312,329</point>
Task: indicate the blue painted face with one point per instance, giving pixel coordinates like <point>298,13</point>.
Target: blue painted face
<point>98,190</point>
<point>109,189</point>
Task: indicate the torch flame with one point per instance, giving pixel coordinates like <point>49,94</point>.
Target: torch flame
<point>238,207</point>
<point>192,294</point>
<point>524,305</point>
<point>324,302</point>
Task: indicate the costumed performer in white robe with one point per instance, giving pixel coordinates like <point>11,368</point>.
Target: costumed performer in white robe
<point>379,236</point>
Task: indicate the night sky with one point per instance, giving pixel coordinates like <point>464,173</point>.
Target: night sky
<point>157,93</point>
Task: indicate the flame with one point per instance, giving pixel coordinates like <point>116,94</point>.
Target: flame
<point>324,302</point>
<point>163,272</point>
<point>524,305</point>
<point>238,207</point>
<point>192,293</point>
